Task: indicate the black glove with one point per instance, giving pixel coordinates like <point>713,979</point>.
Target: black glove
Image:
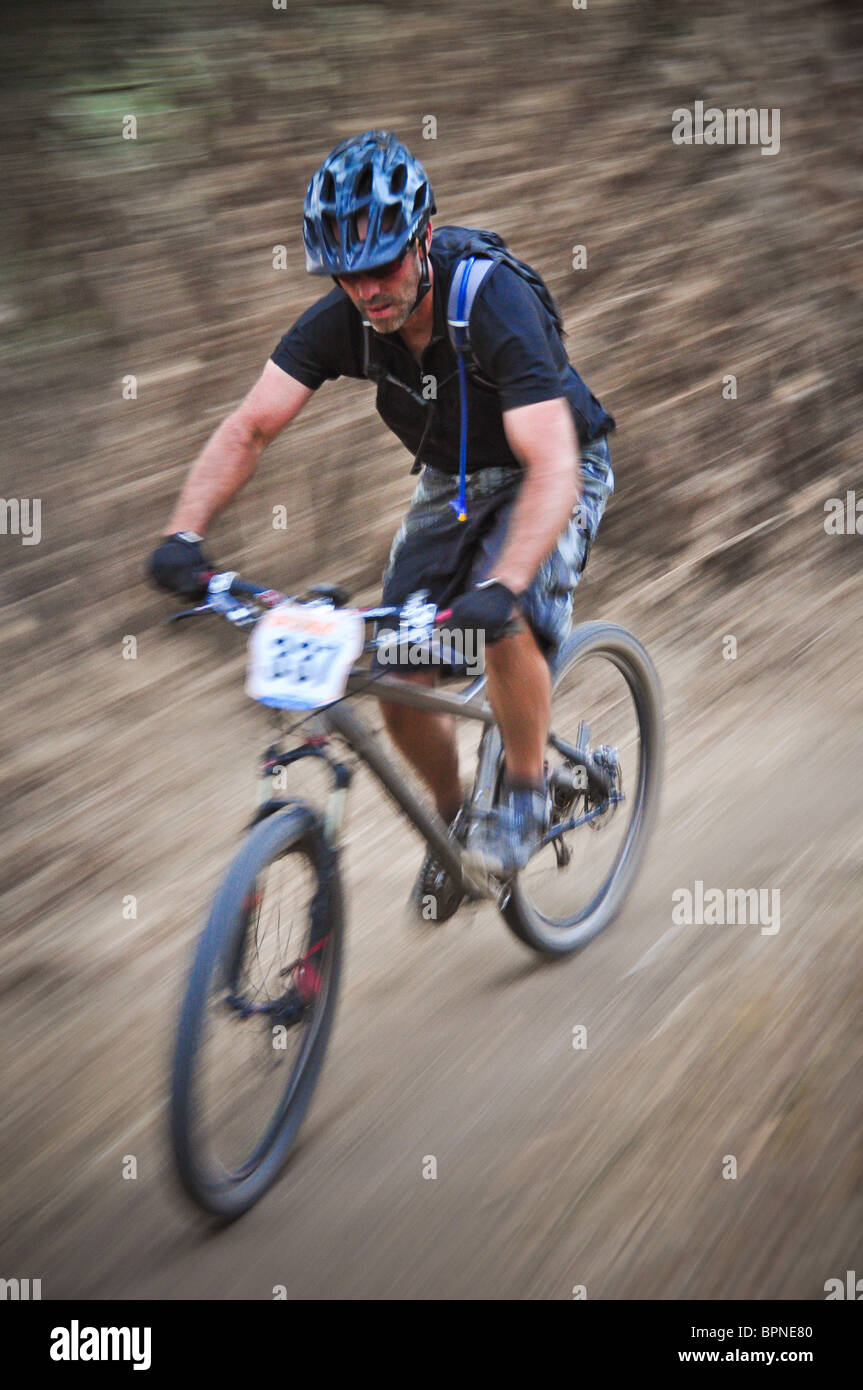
<point>177,564</point>
<point>487,607</point>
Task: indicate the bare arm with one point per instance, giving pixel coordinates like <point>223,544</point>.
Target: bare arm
<point>231,455</point>
<point>543,439</point>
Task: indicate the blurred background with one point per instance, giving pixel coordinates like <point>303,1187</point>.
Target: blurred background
<point>126,782</point>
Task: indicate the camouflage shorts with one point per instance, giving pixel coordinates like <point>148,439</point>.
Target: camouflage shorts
<point>433,550</point>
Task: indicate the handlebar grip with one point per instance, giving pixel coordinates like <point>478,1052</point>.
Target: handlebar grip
<point>241,588</point>
<point>513,625</point>
<point>230,583</point>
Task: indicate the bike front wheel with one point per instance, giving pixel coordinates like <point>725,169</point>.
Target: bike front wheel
<point>257,1014</point>
<point>605,698</point>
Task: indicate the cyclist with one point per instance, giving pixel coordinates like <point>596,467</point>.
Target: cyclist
<point>508,555</point>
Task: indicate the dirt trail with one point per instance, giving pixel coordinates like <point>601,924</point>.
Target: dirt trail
<point>556,1167</point>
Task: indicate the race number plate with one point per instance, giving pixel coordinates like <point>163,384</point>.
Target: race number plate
<point>300,655</point>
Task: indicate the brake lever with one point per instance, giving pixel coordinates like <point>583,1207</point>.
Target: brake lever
<point>188,613</point>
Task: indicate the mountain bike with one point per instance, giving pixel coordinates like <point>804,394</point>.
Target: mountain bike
<point>261,993</point>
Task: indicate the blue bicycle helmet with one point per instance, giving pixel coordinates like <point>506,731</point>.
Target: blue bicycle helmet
<point>372,173</point>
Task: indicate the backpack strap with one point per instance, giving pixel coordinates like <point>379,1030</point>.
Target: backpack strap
<point>467,278</point>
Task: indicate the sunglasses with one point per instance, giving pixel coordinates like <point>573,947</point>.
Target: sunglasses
<point>378,272</point>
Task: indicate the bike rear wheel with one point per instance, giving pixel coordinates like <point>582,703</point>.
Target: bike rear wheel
<point>257,1014</point>
<point>605,692</point>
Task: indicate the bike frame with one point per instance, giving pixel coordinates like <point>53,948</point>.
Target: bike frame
<point>340,719</point>
<point>225,594</point>
<point>465,704</point>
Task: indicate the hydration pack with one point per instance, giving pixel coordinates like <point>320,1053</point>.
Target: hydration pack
<point>479,252</point>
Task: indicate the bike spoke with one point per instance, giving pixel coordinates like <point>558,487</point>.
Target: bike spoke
<point>592,706</point>
<point>250,1055</point>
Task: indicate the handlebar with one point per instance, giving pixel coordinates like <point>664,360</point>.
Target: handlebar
<point>228,595</point>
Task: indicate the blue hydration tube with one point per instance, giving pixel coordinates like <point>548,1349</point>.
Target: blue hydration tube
<point>459,504</point>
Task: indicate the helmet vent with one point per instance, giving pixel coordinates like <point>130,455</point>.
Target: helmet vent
<point>363,185</point>
<point>331,228</point>
<point>420,197</point>
<point>328,188</point>
<point>398,178</point>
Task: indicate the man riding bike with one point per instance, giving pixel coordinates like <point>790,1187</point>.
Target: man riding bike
<point>516,467</point>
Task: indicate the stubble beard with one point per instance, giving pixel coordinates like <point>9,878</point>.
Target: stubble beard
<point>397,317</point>
<point>400,310</point>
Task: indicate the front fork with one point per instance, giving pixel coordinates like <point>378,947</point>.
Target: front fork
<point>275,762</point>
<point>302,974</point>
